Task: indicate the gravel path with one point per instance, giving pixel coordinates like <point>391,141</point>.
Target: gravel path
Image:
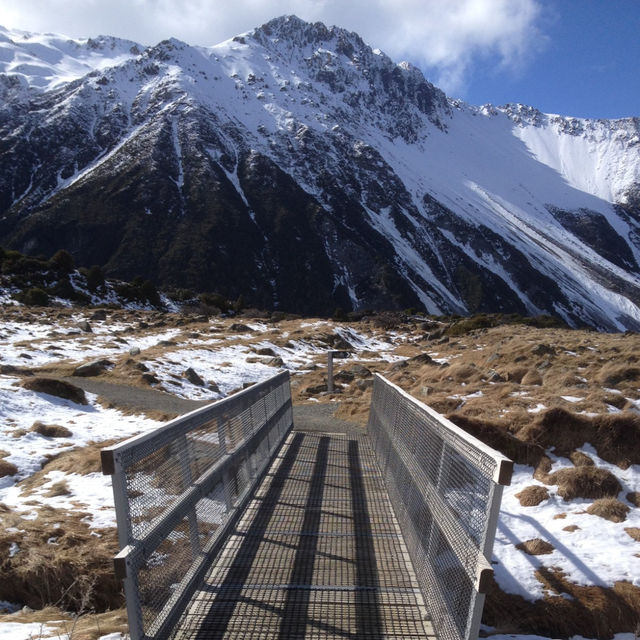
<point>320,417</point>
<point>135,398</point>
<point>306,417</point>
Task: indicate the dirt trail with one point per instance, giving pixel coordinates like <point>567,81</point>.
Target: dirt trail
<point>306,417</point>
<point>135,398</point>
<point>320,417</point>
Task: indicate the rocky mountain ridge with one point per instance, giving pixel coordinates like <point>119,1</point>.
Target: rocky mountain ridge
<point>299,167</point>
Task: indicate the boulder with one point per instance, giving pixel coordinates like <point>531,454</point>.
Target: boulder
<point>93,368</point>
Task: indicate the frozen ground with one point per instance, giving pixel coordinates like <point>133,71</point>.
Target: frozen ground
<point>225,361</point>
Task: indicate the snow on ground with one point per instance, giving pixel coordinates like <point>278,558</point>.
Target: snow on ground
<point>30,630</point>
<point>578,553</point>
<point>231,360</point>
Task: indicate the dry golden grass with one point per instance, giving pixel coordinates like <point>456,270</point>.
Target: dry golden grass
<point>86,626</point>
<point>515,369</point>
<point>7,468</point>
<point>585,482</point>
<point>535,547</point>
<point>593,612</point>
<point>609,509</point>
<point>532,496</point>
<point>59,563</point>
<point>634,532</point>
<point>51,430</point>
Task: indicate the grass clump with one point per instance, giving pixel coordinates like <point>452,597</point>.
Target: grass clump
<point>7,468</point>
<point>585,482</point>
<point>532,496</point>
<point>609,509</point>
<point>535,547</point>
<point>51,430</point>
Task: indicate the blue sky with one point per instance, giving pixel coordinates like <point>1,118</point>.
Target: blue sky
<point>589,65</point>
<point>572,57</point>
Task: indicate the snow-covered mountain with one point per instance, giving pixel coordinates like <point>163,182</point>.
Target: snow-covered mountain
<point>304,170</point>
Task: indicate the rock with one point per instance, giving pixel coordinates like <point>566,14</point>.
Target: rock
<point>193,377</point>
<point>344,376</point>
<point>266,351</point>
<point>143,325</point>
<point>212,386</point>
<point>364,383</point>
<point>7,369</point>
<point>149,378</point>
<point>55,387</point>
<point>423,358</point>
<point>494,376</point>
<point>543,349</point>
<point>99,315</point>
<point>316,389</point>
<point>85,326</point>
<point>398,366</point>
<point>275,362</point>
<point>360,371</point>
<point>134,351</point>
<point>94,368</point>
<point>238,327</point>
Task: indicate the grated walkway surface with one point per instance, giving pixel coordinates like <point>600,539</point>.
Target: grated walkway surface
<point>317,554</point>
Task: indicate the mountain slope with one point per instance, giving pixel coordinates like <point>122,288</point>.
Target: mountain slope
<point>299,167</point>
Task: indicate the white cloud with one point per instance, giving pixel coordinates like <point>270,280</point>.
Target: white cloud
<point>446,37</point>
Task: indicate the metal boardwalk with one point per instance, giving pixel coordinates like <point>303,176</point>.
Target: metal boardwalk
<point>318,553</point>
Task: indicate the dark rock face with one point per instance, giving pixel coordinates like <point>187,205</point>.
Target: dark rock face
<point>285,184</point>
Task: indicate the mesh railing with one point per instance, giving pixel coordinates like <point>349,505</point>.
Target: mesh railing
<point>178,490</point>
<point>445,487</point>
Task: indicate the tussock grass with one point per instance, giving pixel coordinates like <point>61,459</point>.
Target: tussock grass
<point>532,496</point>
<point>75,572</point>
<point>84,626</point>
<point>609,509</point>
<point>590,611</point>
<point>616,437</point>
<point>7,468</point>
<point>535,547</point>
<point>585,482</point>
<point>50,430</point>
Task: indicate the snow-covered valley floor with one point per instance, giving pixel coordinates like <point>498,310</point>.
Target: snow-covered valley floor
<point>569,530</point>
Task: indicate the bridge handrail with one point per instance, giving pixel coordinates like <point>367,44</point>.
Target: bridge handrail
<point>445,487</point>
<point>178,490</point>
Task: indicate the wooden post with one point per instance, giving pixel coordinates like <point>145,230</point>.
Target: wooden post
<point>330,371</point>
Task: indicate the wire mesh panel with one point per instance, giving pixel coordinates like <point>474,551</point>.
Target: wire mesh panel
<point>178,489</point>
<point>445,487</point>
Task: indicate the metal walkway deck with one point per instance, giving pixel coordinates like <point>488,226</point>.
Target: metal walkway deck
<point>318,553</point>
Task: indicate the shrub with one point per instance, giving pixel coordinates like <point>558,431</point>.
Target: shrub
<point>95,277</point>
<point>35,296</point>
<point>62,262</point>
